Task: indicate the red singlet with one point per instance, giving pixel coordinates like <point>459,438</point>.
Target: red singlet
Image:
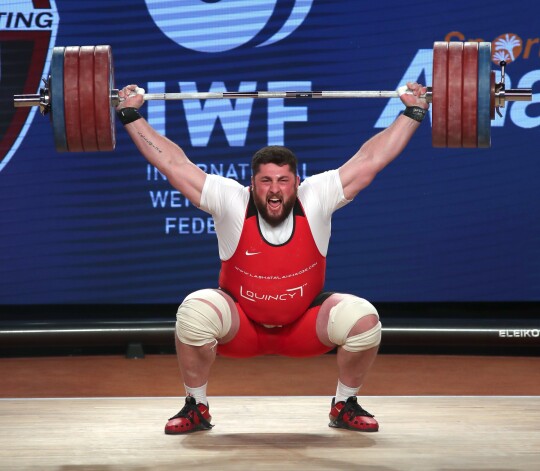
<point>274,284</point>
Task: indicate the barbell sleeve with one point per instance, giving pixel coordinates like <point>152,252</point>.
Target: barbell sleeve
<point>24,101</point>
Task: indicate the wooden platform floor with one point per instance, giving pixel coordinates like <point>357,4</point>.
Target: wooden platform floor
<point>421,433</point>
<point>158,375</point>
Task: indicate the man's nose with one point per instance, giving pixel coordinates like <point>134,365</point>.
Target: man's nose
<point>274,186</point>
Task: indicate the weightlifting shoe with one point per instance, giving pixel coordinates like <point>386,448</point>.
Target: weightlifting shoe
<point>350,415</point>
<point>192,418</point>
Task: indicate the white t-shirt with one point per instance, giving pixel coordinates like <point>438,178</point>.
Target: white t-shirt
<point>226,200</point>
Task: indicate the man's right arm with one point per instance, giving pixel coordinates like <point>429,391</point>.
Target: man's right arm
<point>162,153</point>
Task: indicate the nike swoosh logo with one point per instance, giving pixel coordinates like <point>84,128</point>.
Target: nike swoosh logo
<point>248,253</point>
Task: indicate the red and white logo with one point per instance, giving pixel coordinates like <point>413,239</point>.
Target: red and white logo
<point>27,35</point>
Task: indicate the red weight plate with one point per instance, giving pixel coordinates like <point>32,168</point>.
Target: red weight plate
<point>103,84</point>
<point>439,87</point>
<point>470,94</point>
<point>71,99</point>
<point>86,98</point>
<point>455,94</point>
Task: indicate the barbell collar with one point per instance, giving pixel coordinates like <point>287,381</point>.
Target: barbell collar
<point>115,98</point>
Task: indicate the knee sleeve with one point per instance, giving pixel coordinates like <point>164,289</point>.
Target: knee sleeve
<point>343,317</point>
<point>198,321</point>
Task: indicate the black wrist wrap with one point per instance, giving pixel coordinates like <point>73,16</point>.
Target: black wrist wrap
<point>128,115</point>
<point>415,112</point>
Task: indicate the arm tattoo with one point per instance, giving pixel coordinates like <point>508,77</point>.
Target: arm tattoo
<point>149,142</point>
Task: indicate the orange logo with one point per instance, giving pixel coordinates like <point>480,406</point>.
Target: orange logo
<point>506,47</point>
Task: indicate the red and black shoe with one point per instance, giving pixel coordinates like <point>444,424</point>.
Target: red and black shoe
<point>192,418</point>
<point>350,415</point>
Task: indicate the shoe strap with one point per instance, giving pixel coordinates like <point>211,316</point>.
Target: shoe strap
<point>191,406</point>
<point>354,408</point>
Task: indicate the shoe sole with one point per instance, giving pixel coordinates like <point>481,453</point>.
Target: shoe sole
<point>198,428</point>
<point>333,424</point>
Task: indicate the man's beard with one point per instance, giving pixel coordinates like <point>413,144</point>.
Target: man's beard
<point>274,219</point>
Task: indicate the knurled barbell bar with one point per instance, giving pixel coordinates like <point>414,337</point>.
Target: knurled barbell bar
<point>80,96</point>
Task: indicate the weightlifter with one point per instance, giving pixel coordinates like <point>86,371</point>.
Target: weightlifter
<point>273,238</point>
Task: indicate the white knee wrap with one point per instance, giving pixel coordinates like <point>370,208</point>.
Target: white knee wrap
<point>343,317</point>
<point>198,321</point>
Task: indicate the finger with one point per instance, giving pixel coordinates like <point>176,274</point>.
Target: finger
<point>403,89</point>
<point>138,91</point>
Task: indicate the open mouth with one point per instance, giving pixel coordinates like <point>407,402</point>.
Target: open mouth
<point>274,203</point>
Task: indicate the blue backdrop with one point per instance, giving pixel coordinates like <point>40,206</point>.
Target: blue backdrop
<point>436,225</point>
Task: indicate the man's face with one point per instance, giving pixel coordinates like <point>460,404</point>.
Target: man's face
<point>274,191</point>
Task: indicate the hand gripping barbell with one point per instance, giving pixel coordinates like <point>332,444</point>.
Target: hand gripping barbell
<point>80,96</point>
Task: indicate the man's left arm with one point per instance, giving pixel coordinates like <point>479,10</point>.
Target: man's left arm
<point>376,153</point>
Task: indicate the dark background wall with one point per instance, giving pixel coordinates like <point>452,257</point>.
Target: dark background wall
<point>446,237</point>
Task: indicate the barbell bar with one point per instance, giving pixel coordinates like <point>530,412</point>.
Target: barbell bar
<point>80,97</point>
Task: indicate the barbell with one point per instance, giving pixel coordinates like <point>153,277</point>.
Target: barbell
<point>80,97</point>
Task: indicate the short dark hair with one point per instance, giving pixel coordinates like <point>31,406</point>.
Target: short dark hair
<point>278,155</point>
